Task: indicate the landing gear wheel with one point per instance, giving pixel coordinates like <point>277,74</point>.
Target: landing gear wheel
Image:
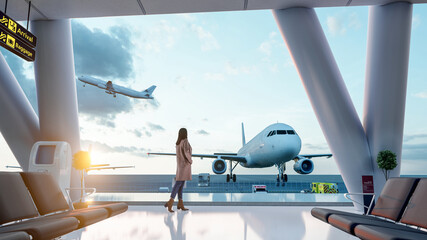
<point>278,178</point>
<point>283,176</point>
<point>234,177</point>
<point>228,177</point>
<point>286,178</point>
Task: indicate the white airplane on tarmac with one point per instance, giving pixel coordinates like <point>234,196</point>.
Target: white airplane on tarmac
<point>113,89</point>
<point>275,145</point>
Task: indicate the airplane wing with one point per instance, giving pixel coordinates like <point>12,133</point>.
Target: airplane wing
<point>105,168</point>
<point>92,81</point>
<point>309,156</point>
<point>228,156</point>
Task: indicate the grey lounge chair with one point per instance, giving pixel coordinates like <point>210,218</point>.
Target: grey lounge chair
<point>18,213</point>
<point>49,199</point>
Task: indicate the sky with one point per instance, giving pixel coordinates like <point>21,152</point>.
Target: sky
<point>214,71</point>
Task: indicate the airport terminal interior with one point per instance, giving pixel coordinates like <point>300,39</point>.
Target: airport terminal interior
<point>85,157</point>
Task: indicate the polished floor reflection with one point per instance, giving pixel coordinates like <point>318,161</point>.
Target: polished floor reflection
<point>213,222</point>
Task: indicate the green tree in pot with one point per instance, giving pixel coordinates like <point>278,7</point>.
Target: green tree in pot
<point>386,160</point>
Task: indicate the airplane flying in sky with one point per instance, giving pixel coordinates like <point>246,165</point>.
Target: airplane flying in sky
<point>275,145</point>
<point>114,89</point>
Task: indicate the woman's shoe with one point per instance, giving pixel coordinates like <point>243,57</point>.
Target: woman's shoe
<point>181,205</point>
<point>169,205</point>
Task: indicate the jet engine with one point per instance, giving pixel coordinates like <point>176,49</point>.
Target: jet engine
<point>219,166</point>
<point>303,166</point>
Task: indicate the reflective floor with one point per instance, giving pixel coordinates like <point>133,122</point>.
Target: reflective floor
<point>227,198</point>
<point>213,222</point>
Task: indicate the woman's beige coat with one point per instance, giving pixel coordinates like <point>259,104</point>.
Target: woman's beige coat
<point>183,161</point>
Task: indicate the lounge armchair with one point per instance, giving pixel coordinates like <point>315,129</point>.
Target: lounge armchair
<point>18,213</point>
<point>399,204</point>
<point>51,202</point>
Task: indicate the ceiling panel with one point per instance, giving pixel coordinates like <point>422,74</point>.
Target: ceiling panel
<point>58,9</point>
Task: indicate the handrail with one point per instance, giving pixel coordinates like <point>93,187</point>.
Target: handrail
<point>346,195</point>
<point>70,201</point>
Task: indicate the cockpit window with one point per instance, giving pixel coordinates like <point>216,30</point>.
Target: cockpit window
<point>281,132</point>
<point>273,133</point>
<point>291,132</point>
<point>269,134</point>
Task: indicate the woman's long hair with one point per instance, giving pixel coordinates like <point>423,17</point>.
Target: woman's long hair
<point>182,134</point>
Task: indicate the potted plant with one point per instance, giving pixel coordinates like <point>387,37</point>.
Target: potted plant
<point>386,161</point>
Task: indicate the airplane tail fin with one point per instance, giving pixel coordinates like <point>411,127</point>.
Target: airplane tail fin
<point>149,90</point>
<point>243,135</point>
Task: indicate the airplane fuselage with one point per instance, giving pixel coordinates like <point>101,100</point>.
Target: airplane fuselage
<point>113,88</point>
<point>276,144</point>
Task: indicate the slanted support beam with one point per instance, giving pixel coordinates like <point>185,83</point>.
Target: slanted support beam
<point>327,92</point>
<point>19,123</point>
<point>389,34</point>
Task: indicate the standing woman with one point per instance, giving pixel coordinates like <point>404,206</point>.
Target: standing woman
<point>183,169</point>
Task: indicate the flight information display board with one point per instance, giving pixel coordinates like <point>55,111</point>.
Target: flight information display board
<point>16,38</point>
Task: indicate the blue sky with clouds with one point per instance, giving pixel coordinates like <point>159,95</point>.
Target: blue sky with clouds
<point>214,71</point>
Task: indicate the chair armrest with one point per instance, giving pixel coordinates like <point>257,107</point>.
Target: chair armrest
<point>70,201</point>
<point>346,195</point>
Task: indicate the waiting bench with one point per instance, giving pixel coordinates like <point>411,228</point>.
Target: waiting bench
<point>400,213</point>
<point>33,203</point>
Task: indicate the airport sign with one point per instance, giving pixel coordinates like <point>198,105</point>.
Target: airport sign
<point>10,25</point>
<point>16,46</point>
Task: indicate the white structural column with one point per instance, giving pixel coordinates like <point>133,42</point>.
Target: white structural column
<point>56,86</point>
<point>19,123</point>
<point>327,92</point>
<point>389,36</point>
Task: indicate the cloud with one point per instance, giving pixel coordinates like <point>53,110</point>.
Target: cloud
<point>354,21</point>
<point>231,69</point>
<point>161,36</point>
<point>407,138</point>
<point>316,147</point>
<point>416,21</point>
<point>105,148</point>
<point>414,151</point>
<point>421,95</point>
<point>155,127</point>
<point>106,55</point>
<point>142,132</point>
<point>267,46</point>
<point>24,74</point>
<point>202,132</point>
<point>335,25</point>
<point>207,40</point>
<point>106,122</point>
<point>214,76</point>
<point>137,133</point>
<point>102,54</point>
<point>142,105</point>
<point>98,105</point>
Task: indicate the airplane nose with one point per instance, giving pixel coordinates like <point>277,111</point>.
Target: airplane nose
<point>290,147</point>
